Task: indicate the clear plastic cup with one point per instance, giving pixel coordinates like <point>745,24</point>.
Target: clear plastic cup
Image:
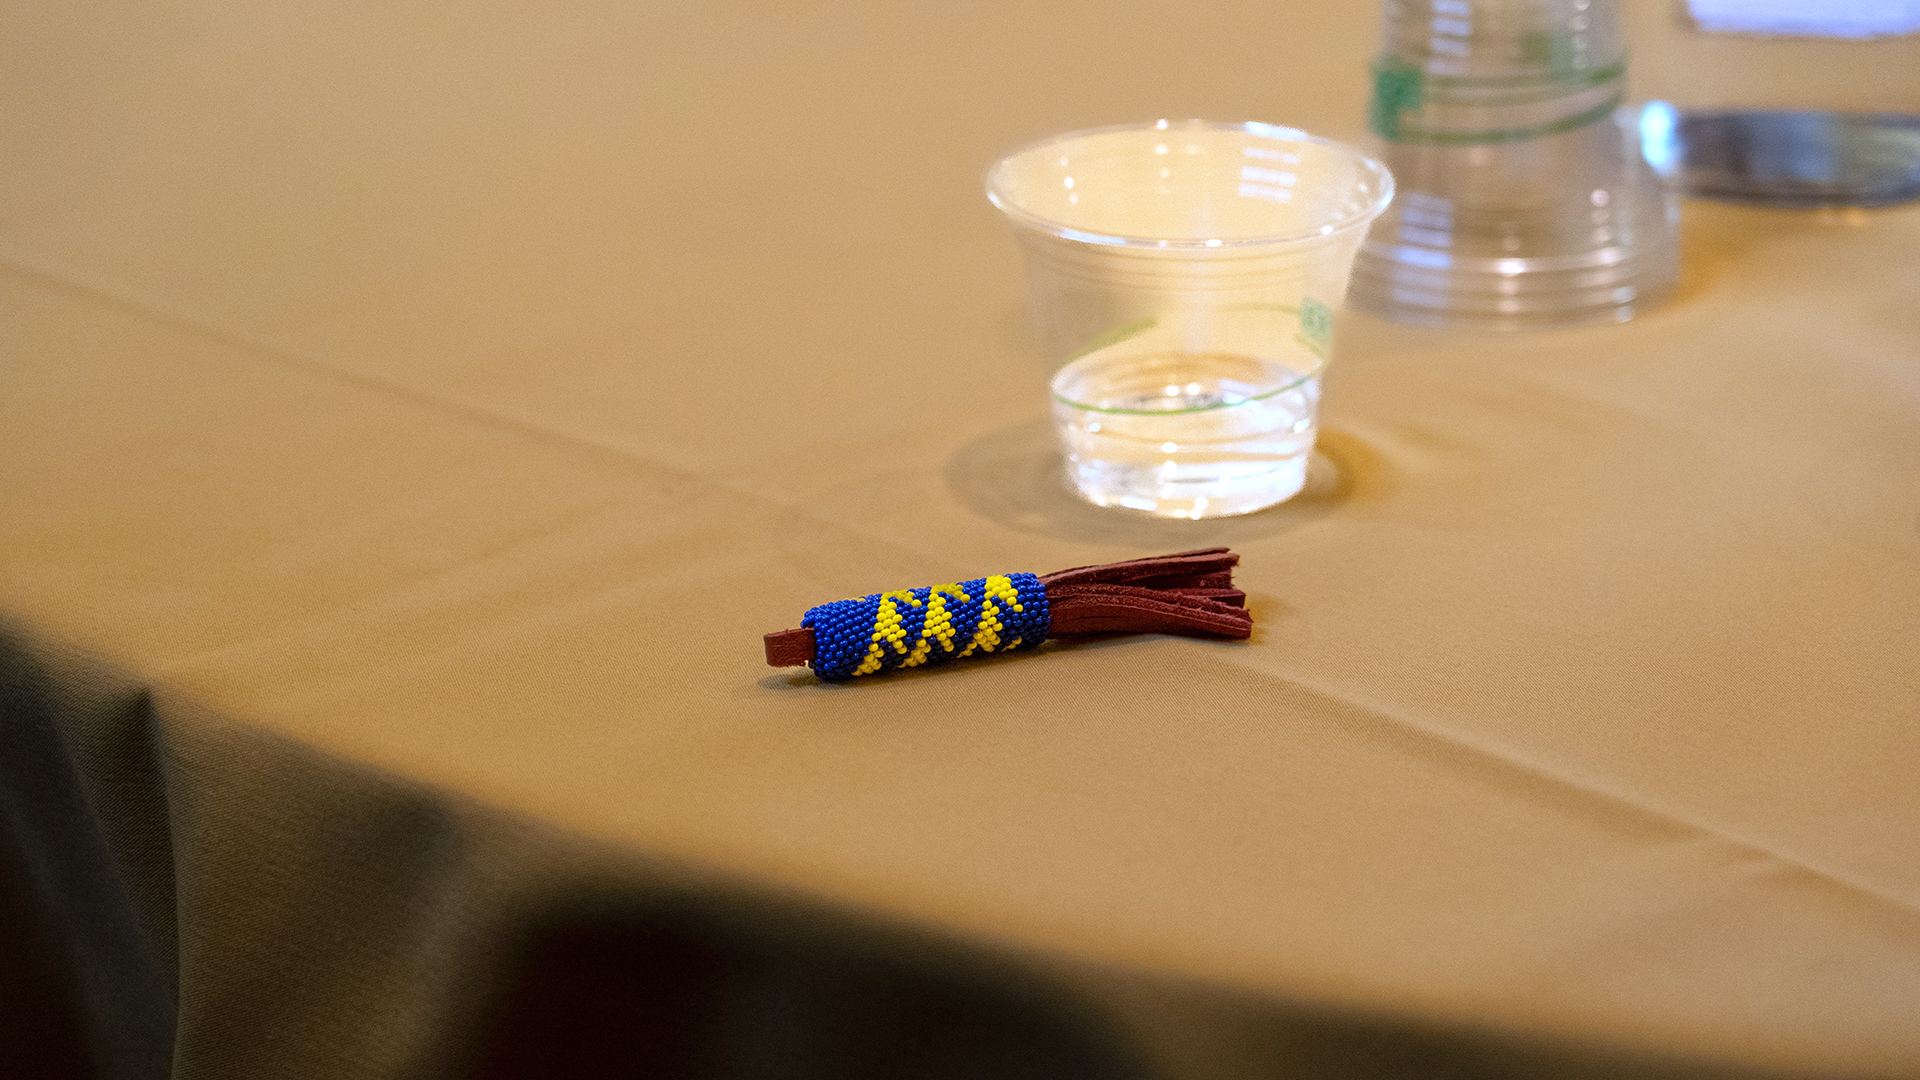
<point>1183,275</point>
<point>1525,201</point>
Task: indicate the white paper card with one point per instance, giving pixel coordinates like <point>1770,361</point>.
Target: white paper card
<point>1811,18</point>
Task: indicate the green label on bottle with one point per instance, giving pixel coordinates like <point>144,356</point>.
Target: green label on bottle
<point>1396,89</point>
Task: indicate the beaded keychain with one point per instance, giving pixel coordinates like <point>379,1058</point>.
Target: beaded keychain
<point>1190,593</point>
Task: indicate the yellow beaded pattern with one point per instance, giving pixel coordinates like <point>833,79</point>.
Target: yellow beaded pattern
<point>910,627</point>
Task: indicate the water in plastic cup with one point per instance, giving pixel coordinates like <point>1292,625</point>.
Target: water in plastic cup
<point>1148,425</point>
<point>1183,276</point>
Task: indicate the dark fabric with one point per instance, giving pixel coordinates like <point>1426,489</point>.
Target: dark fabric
<point>42,1023</point>
<point>86,837</point>
<point>711,986</point>
<point>335,921</point>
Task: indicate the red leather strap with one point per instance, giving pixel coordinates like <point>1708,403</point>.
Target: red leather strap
<point>1101,608</point>
<point>790,648</point>
<point>1186,567</point>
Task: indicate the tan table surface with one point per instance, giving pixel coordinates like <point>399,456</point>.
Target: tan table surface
<point>464,391</point>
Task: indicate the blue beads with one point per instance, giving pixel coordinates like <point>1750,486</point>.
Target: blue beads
<point>912,627</point>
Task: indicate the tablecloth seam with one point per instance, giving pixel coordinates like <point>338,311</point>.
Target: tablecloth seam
<point>1513,760</point>
<point>288,357</point>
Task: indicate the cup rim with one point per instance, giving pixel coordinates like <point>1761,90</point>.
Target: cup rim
<point>1004,202</point>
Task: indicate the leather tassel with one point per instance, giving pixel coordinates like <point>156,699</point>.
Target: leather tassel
<point>1189,593</point>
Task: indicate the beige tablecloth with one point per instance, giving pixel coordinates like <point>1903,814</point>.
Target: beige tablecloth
<point>418,415</point>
